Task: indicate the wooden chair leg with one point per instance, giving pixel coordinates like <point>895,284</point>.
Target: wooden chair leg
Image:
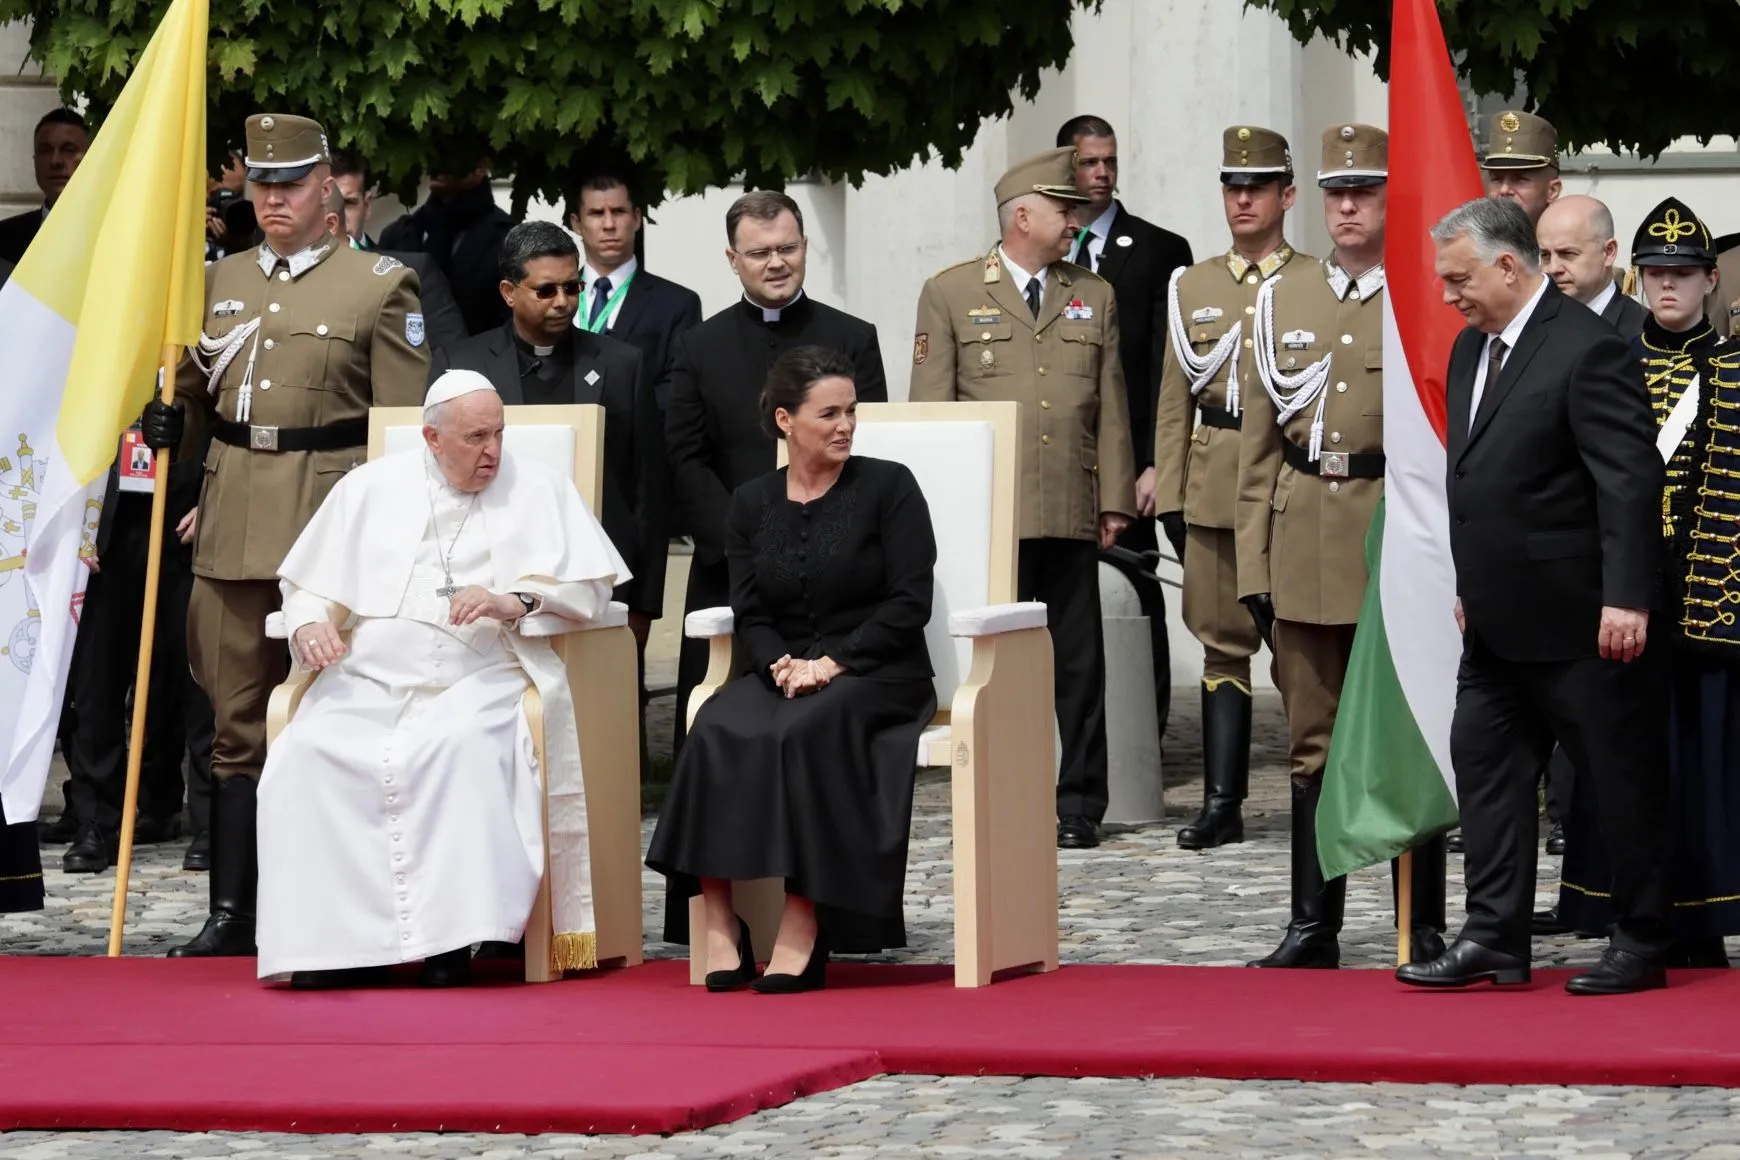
<point>1005,804</point>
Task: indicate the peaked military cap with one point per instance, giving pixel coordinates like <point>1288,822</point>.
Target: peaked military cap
<point>1253,156</point>
<point>1672,235</point>
<point>1354,155</point>
<point>1519,140</point>
<point>283,147</point>
<point>1051,173</point>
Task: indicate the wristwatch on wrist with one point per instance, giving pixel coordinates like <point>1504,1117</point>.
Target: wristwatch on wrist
<point>529,603</point>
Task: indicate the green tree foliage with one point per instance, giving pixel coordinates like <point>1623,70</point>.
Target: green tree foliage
<point>693,92</point>
<point>1629,74</point>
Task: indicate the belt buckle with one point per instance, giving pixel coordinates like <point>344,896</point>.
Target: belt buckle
<point>1333,465</point>
<point>263,438</point>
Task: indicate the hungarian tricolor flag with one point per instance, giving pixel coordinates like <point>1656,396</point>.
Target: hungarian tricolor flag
<point>1388,784</point>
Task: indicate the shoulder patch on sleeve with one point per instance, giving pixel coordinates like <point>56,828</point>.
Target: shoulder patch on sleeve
<point>920,349</point>
<point>387,265</point>
<point>414,329</point>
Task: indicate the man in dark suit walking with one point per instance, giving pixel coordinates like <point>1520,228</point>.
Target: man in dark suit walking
<point>58,145</point>
<point>1578,250</point>
<point>1137,258</point>
<point>1554,488</point>
<point>713,431</point>
<point>540,358</point>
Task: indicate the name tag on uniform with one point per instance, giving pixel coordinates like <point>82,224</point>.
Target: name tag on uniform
<point>1078,311</point>
<point>1297,339</point>
<point>984,316</point>
<point>1206,314</point>
<point>226,308</point>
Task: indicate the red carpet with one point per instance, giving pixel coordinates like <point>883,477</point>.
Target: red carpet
<point>194,1045</point>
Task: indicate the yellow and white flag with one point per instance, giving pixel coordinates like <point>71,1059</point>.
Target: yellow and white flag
<point>116,273</point>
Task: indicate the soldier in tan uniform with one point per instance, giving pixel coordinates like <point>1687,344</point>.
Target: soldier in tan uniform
<point>1522,161</point>
<point>1311,472</point>
<point>1208,375</point>
<point>301,336</point>
<point>1021,323</point>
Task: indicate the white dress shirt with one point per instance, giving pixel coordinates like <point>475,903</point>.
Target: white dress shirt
<point>1097,232</point>
<point>1022,277</point>
<point>1512,331</point>
<point>617,277</point>
<point>1606,296</point>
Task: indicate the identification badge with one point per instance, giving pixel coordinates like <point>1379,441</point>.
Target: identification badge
<point>592,378</point>
<point>1297,339</point>
<point>1078,311</point>
<point>1206,314</point>
<point>984,316</point>
<point>228,308</point>
<point>137,466</point>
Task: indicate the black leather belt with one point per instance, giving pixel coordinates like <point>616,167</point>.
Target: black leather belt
<point>1218,417</point>
<point>1334,464</point>
<point>332,437</point>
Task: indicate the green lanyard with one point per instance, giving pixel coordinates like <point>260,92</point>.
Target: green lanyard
<point>609,311</point>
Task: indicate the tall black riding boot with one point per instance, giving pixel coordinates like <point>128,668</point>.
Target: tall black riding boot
<point>1226,768</point>
<point>1427,922</point>
<point>234,873</point>
<point>1317,905</point>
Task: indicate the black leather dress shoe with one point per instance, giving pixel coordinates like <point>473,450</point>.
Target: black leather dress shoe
<point>338,980</point>
<point>92,851</point>
<point>198,856</point>
<point>1556,840</point>
<point>58,832</point>
<point>1453,842</point>
<point>1077,833</point>
<point>448,969</point>
<point>1619,973</point>
<point>1465,964</point>
<point>1548,922</point>
<point>148,831</point>
<point>1425,944</point>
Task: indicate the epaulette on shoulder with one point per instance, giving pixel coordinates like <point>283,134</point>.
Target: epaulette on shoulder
<point>958,265</point>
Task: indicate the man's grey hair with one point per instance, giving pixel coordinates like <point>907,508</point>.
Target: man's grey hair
<point>1006,211</point>
<point>435,414</point>
<point>1496,225</point>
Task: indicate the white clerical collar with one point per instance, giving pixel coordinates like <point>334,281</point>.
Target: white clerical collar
<point>1102,225</point>
<point>1606,296</point>
<point>300,262</point>
<point>1022,277</point>
<point>617,276</point>
<point>772,313</point>
<point>1340,281</point>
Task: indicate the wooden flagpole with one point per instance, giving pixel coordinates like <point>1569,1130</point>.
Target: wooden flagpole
<point>1405,908</point>
<point>142,675</point>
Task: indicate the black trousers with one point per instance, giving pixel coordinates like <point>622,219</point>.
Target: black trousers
<point>1065,575</point>
<point>1611,720</point>
<point>104,663</point>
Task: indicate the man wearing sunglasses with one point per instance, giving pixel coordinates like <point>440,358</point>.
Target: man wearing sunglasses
<point>541,358</point>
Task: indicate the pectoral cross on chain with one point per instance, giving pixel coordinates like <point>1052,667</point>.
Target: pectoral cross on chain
<point>447,590</point>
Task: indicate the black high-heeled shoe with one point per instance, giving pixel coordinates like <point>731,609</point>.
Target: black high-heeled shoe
<point>745,973</point>
<point>813,978</point>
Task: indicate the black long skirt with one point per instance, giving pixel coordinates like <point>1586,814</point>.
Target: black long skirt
<point>20,867</point>
<point>1703,812</point>
<point>816,790</point>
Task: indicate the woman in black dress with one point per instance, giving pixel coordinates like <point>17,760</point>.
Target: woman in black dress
<point>802,767</point>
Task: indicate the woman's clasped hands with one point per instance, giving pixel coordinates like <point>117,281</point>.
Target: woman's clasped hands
<point>797,677</point>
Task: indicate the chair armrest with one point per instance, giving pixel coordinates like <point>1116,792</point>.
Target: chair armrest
<point>615,615</point>
<point>548,624</point>
<point>275,626</point>
<point>706,623</point>
<point>996,619</point>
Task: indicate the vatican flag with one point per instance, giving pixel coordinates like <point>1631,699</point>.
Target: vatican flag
<point>115,277</point>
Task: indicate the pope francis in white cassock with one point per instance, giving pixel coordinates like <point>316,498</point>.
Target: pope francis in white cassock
<point>400,810</point>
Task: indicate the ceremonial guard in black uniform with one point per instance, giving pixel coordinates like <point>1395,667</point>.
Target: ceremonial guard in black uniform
<point>1694,387</point>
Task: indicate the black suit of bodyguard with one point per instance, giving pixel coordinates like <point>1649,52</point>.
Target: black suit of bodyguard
<point>1555,502</point>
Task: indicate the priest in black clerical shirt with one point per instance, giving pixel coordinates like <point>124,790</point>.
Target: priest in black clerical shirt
<point>541,358</point>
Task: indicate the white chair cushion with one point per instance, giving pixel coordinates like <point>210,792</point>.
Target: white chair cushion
<point>705,623</point>
<point>997,618</point>
<point>952,462</point>
<point>933,747</point>
<point>275,626</point>
<point>551,444</point>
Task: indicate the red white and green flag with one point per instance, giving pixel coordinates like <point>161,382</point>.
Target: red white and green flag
<point>1388,784</point>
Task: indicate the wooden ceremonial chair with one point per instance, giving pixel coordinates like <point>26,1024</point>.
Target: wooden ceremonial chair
<point>994,722</point>
<point>602,675</point>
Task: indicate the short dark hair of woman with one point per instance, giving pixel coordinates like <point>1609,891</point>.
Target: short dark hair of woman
<point>792,375</point>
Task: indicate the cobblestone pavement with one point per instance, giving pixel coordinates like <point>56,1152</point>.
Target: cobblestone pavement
<point>1138,898</point>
